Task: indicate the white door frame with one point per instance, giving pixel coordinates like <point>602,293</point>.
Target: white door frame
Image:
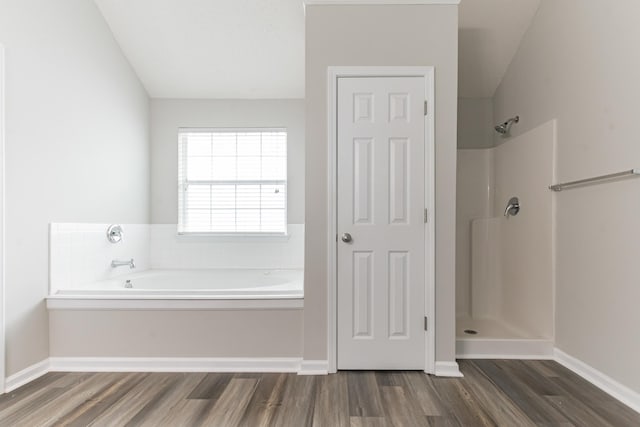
<point>332,88</point>
<point>2,205</point>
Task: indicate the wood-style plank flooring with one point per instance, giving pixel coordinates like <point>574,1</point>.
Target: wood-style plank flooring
<point>492,393</point>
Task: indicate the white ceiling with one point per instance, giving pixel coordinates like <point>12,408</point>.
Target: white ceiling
<point>212,48</point>
<point>255,48</point>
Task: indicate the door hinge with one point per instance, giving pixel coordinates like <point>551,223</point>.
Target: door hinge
<point>426,215</point>
<point>426,107</point>
<point>426,323</point>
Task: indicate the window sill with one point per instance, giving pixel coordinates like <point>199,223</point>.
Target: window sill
<point>232,238</point>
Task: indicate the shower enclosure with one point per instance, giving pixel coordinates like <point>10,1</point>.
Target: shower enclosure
<point>504,286</point>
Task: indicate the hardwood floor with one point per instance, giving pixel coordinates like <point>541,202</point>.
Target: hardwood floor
<point>492,393</point>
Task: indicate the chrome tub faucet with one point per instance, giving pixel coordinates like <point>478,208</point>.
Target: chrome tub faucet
<point>117,263</point>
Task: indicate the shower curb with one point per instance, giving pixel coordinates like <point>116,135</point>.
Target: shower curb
<point>500,348</point>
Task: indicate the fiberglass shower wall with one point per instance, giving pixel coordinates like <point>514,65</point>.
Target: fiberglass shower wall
<point>507,273</point>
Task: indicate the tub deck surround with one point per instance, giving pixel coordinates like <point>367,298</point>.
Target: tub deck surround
<point>80,253</point>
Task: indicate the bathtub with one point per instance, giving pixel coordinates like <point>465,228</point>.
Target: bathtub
<point>187,289</point>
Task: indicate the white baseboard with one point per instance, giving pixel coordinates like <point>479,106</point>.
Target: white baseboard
<point>607,384</point>
<point>526,349</point>
<point>448,369</point>
<point>314,367</point>
<point>26,375</point>
<point>174,364</point>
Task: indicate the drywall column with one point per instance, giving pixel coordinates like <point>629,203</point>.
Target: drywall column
<point>378,35</point>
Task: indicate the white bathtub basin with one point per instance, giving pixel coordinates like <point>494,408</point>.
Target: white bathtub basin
<point>181,285</point>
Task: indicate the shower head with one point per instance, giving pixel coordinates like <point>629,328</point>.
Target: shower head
<point>504,128</point>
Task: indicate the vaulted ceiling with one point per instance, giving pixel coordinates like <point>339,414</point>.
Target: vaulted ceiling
<point>255,48</point>
<point>489,37</point>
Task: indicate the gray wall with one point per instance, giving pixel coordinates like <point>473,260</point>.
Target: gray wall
<point>167,115</point>
<point>76,148</point>
<point>578,63</point>
<point>379,35</point>
<point>475,123</point>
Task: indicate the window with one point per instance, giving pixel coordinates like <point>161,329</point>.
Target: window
<point>232,181</point>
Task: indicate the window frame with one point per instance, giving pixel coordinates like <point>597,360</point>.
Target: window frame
<point>182,184</point>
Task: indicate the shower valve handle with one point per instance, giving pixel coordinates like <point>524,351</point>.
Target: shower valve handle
<point>512,208</point>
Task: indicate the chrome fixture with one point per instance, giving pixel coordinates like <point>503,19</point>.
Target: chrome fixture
<point>114,233</point>
<point>504,128</point>
<point>512,208</point>
<point>128,284</point>
<point>117,263</point>
<point>595,180</point>
<point>346,237</point>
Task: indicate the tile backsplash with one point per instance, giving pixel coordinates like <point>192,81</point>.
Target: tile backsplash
<point>169,250</point>
<point>80,253</point>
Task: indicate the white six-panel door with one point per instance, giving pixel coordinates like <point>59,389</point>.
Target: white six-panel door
<point>380,223</point>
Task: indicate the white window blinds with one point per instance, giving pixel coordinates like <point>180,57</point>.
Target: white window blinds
<point>232,181</point>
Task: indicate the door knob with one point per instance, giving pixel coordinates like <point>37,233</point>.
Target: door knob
<point>346,237</point>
